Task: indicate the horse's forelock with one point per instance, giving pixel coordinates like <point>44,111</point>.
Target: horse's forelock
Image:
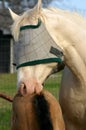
<point>16,27</point>
<point>29,15</point>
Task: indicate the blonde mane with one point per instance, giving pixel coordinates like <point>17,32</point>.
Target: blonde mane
<point>73,16</point>
<point>31,16</point>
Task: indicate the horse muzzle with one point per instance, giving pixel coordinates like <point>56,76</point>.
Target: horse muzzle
<point>30,87</point>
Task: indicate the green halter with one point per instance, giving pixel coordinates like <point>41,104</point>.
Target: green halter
<point>31,26</point>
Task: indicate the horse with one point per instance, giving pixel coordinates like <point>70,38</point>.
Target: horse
<point>36,112</point>
<point>68,32</point>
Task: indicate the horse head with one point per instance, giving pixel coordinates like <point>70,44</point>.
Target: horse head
<point>36,54</point>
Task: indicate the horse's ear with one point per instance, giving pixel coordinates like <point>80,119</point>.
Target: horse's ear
<point>37,7</point>
<point>39,4</point>
<point>13,15</point>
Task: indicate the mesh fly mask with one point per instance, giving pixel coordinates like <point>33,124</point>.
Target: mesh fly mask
<point>35,46</point>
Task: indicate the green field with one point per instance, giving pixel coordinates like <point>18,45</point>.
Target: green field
<point>8,86</point>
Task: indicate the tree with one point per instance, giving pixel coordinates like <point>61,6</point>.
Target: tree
<point>21,4</point>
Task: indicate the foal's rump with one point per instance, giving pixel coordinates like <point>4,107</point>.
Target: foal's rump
<point>37,112</point>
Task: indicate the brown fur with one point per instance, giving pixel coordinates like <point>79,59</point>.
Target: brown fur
<point>24,114</point>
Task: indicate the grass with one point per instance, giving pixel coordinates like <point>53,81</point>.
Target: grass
<point>8,86</point>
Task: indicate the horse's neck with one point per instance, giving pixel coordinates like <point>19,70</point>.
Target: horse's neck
<point>74,54</point>
<point>72,39</point>
<point>76,64</point>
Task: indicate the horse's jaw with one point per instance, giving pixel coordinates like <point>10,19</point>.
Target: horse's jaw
<point>31,78</point>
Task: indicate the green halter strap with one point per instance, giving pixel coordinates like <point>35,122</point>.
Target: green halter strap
<point>31,26</point>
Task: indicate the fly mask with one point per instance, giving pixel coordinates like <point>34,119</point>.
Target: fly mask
<point>36,46</point>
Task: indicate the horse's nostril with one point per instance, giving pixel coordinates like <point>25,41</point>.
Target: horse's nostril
<point>24,90</point>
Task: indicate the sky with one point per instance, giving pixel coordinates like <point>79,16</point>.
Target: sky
<point>79,3</point>
<point>73,5</point>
